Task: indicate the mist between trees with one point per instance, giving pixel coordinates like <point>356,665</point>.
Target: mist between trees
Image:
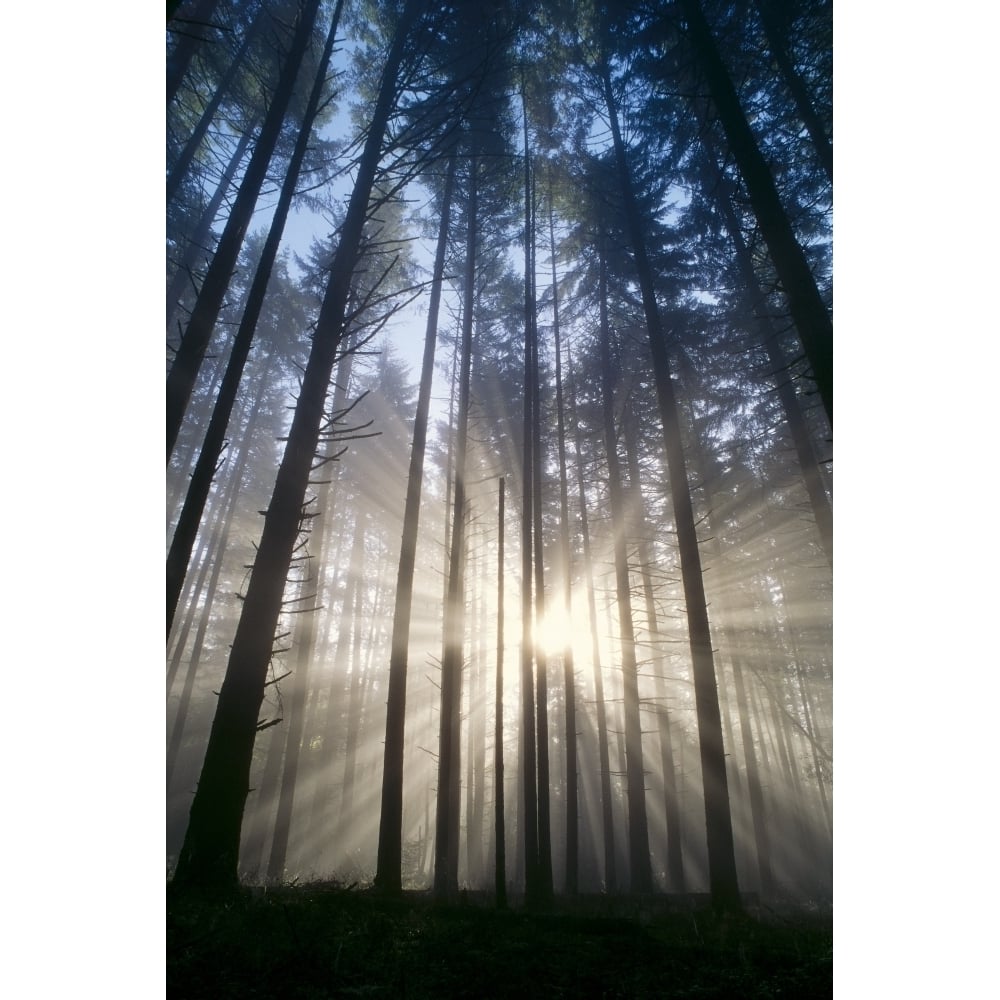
<point>499,515</point>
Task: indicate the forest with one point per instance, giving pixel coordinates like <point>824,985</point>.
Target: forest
<point>499,450</point>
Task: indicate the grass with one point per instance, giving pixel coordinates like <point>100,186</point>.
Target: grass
<point>312,942</point>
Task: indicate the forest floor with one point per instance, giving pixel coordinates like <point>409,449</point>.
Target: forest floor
<point>312,942</point>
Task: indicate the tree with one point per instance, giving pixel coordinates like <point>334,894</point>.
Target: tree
<point>500,874</point>
<point>211,846</point>
<point>388,876</point>
<point>446,842</point>
<point>725,892</point>
<point>640,872</point>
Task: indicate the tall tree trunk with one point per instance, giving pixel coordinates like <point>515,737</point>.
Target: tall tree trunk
<point>389,872</point>
<point>808,310</point>
<point>640,871</point>
<point>755,792</point>
<point>672,815</point>
<point>187,361</point>
<point>604,756</point>
<point>500,871</point>
<point>572,806</point>
<point>541,655</point>
<point>201,478</point>
<point>449,750</point>
<point>528,821</point>
<point>477,732</point>
<point>718,821</point>
<point>210,852</point>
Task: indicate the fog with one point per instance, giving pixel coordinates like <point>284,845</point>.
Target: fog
<point>604,504</point>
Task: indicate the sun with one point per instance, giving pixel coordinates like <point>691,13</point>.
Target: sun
<point>555,631</point>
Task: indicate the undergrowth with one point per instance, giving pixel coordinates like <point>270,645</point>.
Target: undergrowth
<point>312,942</point>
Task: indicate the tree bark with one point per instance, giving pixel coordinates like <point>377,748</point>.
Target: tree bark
<point>500,869</point>
<point>449,751</point>
<point>541,655</point>
<point>389,872</point>
<point>718,821</point>
<point>572,781</point>
<point>528,821</point>
<point>672,815</point>
<point>603,752</point>
<point>640,871</point>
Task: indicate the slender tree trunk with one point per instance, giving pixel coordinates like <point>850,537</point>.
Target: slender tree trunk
<point>604,757</point>
<point>541,655</point>
<point>718,821</point>
<point>572,793</point>
<point>389,872</point>
<point>477,730</point>
<point>672,815</point>
<point>449,751</point>
<point>758,816</point>
<point>210,852</point>
<point>187,361</point>
<point>640,871</point>
<point>500,872</point>
<point>528,821</point>
<point>474,740</point>
<point>808,310</point>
